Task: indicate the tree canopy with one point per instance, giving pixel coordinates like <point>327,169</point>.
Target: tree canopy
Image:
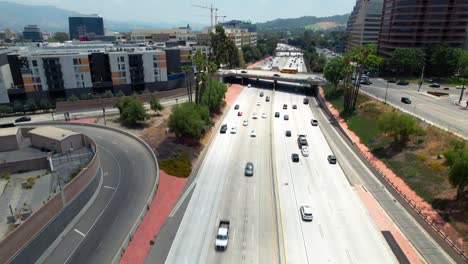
<point>399,126</point>
<point>189,120</point>
<point>334,71</point>
<point>155,105</point>
<point>407,61</point>
<point>213,96</point>
<point>131,110</point>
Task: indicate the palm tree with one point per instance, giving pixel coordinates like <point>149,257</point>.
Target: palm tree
<point>186,69</point>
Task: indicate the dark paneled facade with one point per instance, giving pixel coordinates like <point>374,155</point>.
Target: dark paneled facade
<point>86,25</point>
<point>100,70</point>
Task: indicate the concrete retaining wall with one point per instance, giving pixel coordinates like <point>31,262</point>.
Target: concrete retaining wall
<point>20,166</point>
<point>28,241</point>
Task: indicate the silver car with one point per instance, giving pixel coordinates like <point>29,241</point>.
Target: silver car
<point>306,213</point>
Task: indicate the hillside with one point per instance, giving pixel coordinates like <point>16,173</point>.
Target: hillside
<point>52,19</point>
<point>306,22</point>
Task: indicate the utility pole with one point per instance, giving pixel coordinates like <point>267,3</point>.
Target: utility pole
<point>421,80</point>
<point>462,90</point>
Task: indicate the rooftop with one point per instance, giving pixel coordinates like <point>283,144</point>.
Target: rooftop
<point>52,132</point>
<point>9,131</point>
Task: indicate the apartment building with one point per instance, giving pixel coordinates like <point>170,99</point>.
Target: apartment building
<point>364,23</point>
<point>423,23</point>
<point>5,77</point>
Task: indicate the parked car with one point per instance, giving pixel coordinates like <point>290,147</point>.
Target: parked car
<point>306,213</point>
<point>295,157</point>
<point>277,114</point>
<point>402,82</point>
<point>249,169</point>
<point>331,159</point>
<point>23,119</point>
<point>223,129</point>
<point>288,133</point>
<point>305,101</point>
<point>236,107</point>
<point>286,117</point>
<point>405,100</point>
<point>434,85</point>
<point>314,122</point>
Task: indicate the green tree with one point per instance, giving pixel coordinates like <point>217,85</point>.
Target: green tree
<point>73,98</point>
<point>18,106</point>
<point>399,126</point>
<point>458,173</point>
<point>442,60</point>
<point>44,104</point>
<point>241,59</point>
<point>131,111</point>
<point>31,105</point>
<point>233,59</point>
<point>120,94</point>
<point>107,94</point>
<point>59,37</point>
<point>189,120</point>
<point>334,71</point>
<point>5,109</point>
<point>213,97</point>
<point>155,105</point>
<point>219,46</point>
<point>407,61</point>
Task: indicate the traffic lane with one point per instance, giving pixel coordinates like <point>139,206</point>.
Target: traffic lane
<point>346,208</point>
<point>131,192</point>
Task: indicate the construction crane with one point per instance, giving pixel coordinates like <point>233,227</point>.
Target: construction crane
<point>216,19</point>
<point>211,8</point>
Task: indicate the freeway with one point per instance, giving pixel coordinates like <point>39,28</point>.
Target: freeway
<point>128,176</point>
<point>223,192</point>
<point>439,111</point>
<point>342,230</point>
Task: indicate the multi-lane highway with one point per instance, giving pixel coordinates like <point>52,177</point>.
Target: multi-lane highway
<point>128,176</point>
<point>438,110</point>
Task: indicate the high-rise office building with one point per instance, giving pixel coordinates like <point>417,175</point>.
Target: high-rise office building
<point>32,33</point>
<point>84,26</point>
<point>423,23</point>
<point>364,23</point>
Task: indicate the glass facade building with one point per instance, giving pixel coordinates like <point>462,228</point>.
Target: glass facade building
<point>83,26</point>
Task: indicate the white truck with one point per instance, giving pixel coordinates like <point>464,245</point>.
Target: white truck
<point>222,237</point>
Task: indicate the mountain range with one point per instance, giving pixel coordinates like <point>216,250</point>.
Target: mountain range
<point>305,22</point>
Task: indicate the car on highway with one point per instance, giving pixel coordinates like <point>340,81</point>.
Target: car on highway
<point>258,103</point>
<point>295,157</point>
<point>267,99</point>
<point>239,113</point>
<point>285,106</point>
<point>331,159</point>
<point>243,71</point>
<point>254,116</point>
<point>276,75</point>
<point>223,129</point>
<point>249,85</point>
<point>236,107</point>
<point>405,100</point>
<point>222,236</point>
<point>314,122</point>
<point>302,141</point>
<point>233,130</point>
<point>294,106</point>
<point>249,169</point>
<point>288,133</point>
<point>305,151</point>
<point>434,85</point>
<point>264,115</point>
<point>261,94</point>
<point>245,123</point>
<point>402,82</point>
<point>23,119</point>
<point>286,117</point>
<point>277,114</point>
<point>253,133</point>
<point>306,213</point>
<point>306,100</point>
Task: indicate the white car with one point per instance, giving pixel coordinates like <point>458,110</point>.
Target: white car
<point>249,85</point>
<point>263,115</point>
<point>254,116</point>
<point>253,134</point>
<point>245,123</point>
<point>306,213</point>
<point>305,151</point>
<point>258,103</point>
<point>233,130</point>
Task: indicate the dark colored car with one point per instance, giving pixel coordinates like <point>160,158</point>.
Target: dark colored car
<point>446,88</point>
<point>314,122</point>
<point>286,117</point>
<point>243,71</point>
<point>331,159</point>
<point>277,114</point>
<point>285,106</point>
<point>434,85</point>
<point>261,94</point>
<point>23,119</point>
<point>294,106</point>
<point>249,169</point>
<point>236,107</point>
<point>223,129</point>
<point>405,100</point>
<point>295,157</point>
<point>401,82</point>
<point>276,75</point>
<point>305,101</point>
<point>288,133</point>
<point>267,99</point>
<point>392,80</point>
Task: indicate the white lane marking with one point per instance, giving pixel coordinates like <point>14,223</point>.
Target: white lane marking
<point>105,173</point>
<point>108,187</point>
<point>182,198</point>
<point>81,233</point>
<point>252,233</point>
<point>99,136</point>
<point>254,188</point>
<point>238,194</point>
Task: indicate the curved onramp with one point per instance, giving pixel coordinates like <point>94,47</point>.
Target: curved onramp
<point>129,174</point>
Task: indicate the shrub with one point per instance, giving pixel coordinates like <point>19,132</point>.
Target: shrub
<point>107,94</point>
<point>18,106</point>
<point>179,165</point>
<point>5,109</point>
<point>419,141</point>
<point>30,182</point>
<point>421,157</point>
<point>44,104</point>
<point>84,97</point>
<point>31,105</point>
<point>189,120</point>
<point>73,98</point>
<point>131,110</point>
<point>438,166</point>
<point>119,94</point>
<point>5,175</point>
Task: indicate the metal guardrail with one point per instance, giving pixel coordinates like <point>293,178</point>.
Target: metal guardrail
<point>408,201</point>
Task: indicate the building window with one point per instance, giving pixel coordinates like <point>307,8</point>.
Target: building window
<point>122,59</point>
<point>34,63</point>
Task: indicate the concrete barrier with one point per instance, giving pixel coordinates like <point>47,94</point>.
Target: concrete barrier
<point>19,166</point>
<point>28,241</point>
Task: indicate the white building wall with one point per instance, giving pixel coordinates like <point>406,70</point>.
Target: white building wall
<point>6,80</point>
<point>148,66</point>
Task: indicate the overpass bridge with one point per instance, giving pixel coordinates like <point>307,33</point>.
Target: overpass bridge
<point>305,79</point>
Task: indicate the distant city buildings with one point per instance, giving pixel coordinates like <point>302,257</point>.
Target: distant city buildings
<point>364,23</point>
<point>85,26</point>
<point>32,33</point>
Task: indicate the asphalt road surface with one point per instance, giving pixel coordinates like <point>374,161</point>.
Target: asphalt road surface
<point>223,192</point>
<point>128,173</point>
<point>441,111</point>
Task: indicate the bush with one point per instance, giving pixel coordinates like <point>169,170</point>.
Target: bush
<point>73,98</point>
<point>213,96</point>
<point>5,109</point>
<point>155,105</point>
<point>419,141</point>
<point>119,94</point>
<point>18,106</point>
<point>84,97</point>
<point>107,94</point>
<point>5,175</point>
<point>131,110</point>
<point>179,165</point>
<point>399,126</point>
<point>30,182</point>
<point>438,166</point>
<point>31,105</point>
<point>45,104</point>
<point>421,157</point>
<point>189,120</point>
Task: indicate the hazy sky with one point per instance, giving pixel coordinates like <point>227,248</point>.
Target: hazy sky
<point>174,11</point>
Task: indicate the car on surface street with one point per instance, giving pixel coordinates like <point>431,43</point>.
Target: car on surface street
<point>366,82</point>
<point>295,157</point>
<point>306,213</point>
<point>233,130</point>
<point>285,106</point>
<point>239,113</point>
<point>294,106</point>
<point>253,134</point>
<point>305,151</point>
<point>331,159</point>
<point>434,85</point>
<point>277,114</point>
<point>23,119</point>
<point>288,133</point>
<point>254,116</point>
<point>405,100</point>
<point>245,123</point>
<point>401,82</point>
<point>392,80</point>
<point>263,115</point>
<point>223,129</point>
<point>249,169</point>
<point>314,122</point>
<point>286,117</point>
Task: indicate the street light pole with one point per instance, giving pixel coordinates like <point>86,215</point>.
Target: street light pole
<point>386,89</point>
<point>462,90</point>
<point>422,76</point>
